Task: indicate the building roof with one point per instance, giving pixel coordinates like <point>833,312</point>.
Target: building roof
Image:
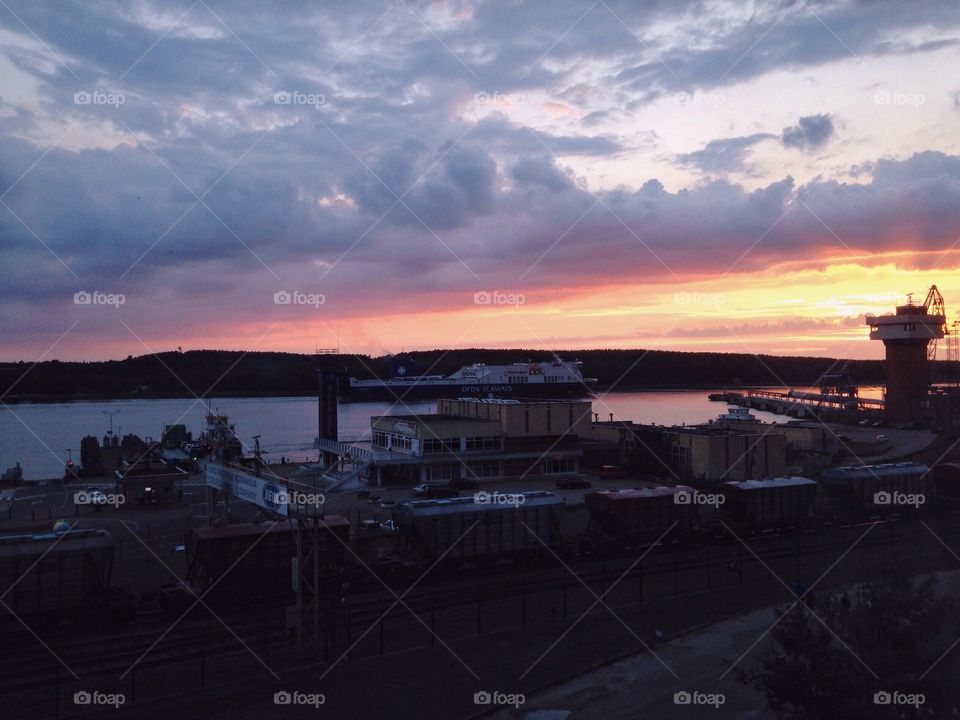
<point>785,481</point>
<point>446,506</point>
<point>635,493</point>
<point>434,417</point>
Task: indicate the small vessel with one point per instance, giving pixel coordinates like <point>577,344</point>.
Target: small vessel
<point>740,414</point>
<point>727,397</point>
<point>556,378</point>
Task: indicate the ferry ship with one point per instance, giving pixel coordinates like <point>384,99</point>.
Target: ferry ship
<point>552,379</point>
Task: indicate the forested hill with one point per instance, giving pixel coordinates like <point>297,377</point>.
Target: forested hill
<point>213,373</point>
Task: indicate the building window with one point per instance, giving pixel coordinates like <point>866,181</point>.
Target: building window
<point>441,473</point>
<point>561,465</point>
<point>483,443</point>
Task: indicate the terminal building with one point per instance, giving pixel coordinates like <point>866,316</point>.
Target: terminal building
<point>469,439</point>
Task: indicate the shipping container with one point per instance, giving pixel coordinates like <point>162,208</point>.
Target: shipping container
<point>771,503</point>
<point>508,525</point>
<point>643,514</point>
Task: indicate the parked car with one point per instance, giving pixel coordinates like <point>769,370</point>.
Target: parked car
<point>572,483</point>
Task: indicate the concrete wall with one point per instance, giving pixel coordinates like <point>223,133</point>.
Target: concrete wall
<point>730,456</point>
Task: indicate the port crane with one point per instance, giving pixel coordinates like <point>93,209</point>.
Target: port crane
<point>934,305</point>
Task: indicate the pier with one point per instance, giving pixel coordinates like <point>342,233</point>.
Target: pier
<point>808,404</point>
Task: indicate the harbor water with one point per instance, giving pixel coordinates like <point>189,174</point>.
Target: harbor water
<point>41,436</point>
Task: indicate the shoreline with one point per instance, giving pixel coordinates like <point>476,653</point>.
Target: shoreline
<point>56,399</point>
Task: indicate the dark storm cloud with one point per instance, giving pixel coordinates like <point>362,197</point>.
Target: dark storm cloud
<point>810,133</point>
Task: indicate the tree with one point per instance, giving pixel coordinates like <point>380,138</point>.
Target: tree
<point>884,639</point>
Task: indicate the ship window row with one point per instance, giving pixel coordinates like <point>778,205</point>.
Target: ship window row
<point>553,378</point>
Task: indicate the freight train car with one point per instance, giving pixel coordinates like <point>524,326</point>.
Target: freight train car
<point>779,503</point>
<point>946,483</point>
<point>56,577</point>
<point>864,491</point>
<point>253,562</point>
<point>631,517</point>
<point>514,525</point>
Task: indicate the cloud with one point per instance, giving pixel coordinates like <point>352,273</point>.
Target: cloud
<point>723,154</point>
<point>810,133</point>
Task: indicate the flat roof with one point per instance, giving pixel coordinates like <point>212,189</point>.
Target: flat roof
<point>785,481</point>
<point>634,493</point>
<point>469,504</point>
<point>434,417</point>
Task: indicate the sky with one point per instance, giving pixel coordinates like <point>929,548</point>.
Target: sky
<point>387,176</point>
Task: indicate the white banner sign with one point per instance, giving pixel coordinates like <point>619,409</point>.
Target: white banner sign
<point>244,485</point>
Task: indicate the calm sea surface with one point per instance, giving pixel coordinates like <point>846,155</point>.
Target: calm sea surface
<point>39,435</point>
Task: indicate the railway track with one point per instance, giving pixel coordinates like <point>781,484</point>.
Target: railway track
<point>27,664</point>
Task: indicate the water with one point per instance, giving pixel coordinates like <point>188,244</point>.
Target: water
<point>38,435</point>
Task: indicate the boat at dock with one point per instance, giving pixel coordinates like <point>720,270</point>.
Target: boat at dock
<point>737,414</point>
